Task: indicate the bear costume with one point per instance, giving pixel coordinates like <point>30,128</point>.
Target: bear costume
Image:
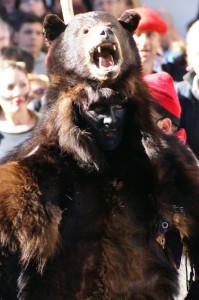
<point>79,222</point>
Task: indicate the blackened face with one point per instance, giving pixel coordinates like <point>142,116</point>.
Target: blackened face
<point>107,121</point>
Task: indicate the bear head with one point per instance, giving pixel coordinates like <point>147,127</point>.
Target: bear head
<point>92,46</point>
<point>91,59</point>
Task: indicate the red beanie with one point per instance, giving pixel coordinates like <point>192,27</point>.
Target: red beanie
<point>162,89</point>
<point>150,20</point>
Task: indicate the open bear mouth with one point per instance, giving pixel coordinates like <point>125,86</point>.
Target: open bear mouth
<point>105,56</point>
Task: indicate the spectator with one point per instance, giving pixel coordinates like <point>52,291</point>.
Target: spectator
<point>18,54</point>
<point>88,4</point>
<point>173,45</point>
<point>171,35</point>
<point>35,7</point>
<point>81,6</point>
<point>9,5</point>
<point>5,34</point>
<point>113,7</point>
<point>177,54</point>
<point>188,90</point>
<point>166,109</point>
<point>16,121</point>
<point>148,37</point>
<point>57,8</point>
<point>29,37</point>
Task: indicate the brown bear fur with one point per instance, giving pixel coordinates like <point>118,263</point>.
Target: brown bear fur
<point>79,224</point>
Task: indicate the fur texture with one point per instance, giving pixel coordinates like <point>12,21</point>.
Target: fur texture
<point>80,224</point>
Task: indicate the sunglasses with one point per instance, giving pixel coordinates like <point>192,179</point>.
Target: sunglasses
<point>38,92</point>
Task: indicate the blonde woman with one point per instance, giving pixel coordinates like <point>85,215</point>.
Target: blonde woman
<point>16,120</point>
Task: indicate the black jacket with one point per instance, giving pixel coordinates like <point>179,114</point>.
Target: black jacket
<point>190,111</point>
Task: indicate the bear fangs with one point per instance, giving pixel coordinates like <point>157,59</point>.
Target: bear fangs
<point>100,50</point>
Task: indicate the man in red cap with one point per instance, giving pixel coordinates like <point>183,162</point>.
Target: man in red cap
<point>166,109</point>
<point>148,37</point>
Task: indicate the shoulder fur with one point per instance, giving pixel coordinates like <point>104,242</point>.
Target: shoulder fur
<point>25,223</point>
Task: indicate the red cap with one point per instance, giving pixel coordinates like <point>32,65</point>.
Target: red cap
<point>150,20</point>
<point>162,89</point>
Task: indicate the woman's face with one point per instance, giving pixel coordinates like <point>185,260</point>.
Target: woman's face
<point>14,90</point>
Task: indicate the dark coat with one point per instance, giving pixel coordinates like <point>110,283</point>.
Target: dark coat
<point>176,70</point>
<point>190,111</point>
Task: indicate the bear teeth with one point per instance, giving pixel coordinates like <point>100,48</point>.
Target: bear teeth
<point>113,47</point>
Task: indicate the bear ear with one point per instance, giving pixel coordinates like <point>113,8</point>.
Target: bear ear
<point>53,27</point>
<point>130,20</point>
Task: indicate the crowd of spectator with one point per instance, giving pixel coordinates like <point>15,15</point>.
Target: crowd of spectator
<point>160,46</point>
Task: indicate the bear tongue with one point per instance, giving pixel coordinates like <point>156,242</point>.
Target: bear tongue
<point>105,59</point>
<point>106,62</point>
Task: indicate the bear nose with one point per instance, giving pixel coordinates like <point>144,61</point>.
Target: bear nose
<point>106,32</point>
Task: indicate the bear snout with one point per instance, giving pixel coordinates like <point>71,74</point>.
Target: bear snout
<point>106,33</point>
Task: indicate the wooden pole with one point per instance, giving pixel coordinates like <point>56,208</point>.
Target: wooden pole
<point>67,10</point>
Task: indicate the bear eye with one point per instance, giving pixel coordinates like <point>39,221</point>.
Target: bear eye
<point>85,31</point>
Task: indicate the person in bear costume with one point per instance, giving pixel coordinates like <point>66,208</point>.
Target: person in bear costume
<point>88,202</point>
